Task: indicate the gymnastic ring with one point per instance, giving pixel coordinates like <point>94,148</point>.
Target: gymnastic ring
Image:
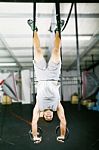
<point>39,130</point>
<point>57,130</point>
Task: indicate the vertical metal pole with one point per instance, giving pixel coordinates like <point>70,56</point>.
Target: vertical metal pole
<point>78,58</point>
<point>34,19</point>
<point>58,24</point>
<point>93,62</point>
<point>86,64</point>
<point>20,85</point>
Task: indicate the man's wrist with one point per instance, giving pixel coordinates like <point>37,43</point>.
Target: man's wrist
<point>34,137</point>
<point>63,136</point>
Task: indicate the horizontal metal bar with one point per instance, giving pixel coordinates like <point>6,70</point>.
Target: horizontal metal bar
<point>43,15</point>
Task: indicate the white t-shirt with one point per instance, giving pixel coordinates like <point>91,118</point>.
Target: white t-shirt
<point>48,96</point>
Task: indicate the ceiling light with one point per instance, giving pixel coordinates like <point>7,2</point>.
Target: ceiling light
<point>7,64</point>
<point>84,38</point>
<point>80,38</point>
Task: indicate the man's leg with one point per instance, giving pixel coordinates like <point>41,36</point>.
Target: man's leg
<point>38,52</point>
<point>55,56</point>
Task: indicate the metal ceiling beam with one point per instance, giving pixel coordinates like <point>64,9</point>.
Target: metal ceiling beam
<point>9,51</point>
<point>40,35</point>
<point>27,56</point>
<point>15,69</point>
<point>43,15</point>
<point>80,15</point>
<point>30,1</point>
<point>89,61</point>
<point>42,1</point>
<point>27,48</point>
<point>93,65</point>
<point>93,41</point>
<point>96,56</point>
<point>9,68</point>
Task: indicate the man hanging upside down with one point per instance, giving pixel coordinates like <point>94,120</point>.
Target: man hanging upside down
<point>48,97</point>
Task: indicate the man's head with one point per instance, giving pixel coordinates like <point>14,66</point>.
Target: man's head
<point>48,115</point>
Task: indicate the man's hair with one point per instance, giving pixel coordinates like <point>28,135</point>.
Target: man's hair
<point>48,109</point>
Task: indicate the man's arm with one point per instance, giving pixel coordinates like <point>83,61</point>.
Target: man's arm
<point>61,115</point>
<point>35,120</point>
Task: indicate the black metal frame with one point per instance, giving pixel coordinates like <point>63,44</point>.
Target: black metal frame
<point>78,58</point>
<point>34,21</point>
<point>58,25</point>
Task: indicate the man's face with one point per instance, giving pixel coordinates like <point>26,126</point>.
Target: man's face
<point>48,115</point>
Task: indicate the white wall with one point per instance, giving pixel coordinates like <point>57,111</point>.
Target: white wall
<point>25,78</point>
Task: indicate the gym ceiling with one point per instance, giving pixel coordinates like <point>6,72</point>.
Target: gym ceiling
<point>16,35</point>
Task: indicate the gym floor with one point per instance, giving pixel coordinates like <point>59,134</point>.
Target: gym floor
<point>15,124</point>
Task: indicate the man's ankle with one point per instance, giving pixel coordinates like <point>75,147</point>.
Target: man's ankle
<point>31,24</point>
